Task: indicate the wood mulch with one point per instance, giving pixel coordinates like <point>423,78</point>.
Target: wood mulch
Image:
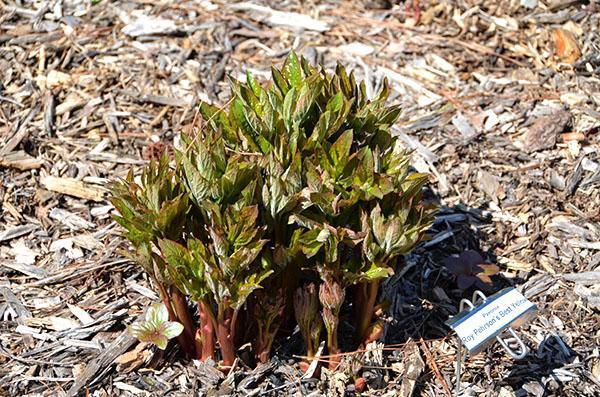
<point>501,104</point>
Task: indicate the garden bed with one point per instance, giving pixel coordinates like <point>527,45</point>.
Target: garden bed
<point>501,105</point>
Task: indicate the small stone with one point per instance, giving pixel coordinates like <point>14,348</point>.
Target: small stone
<point>531,4</point>
<point>557,181</point>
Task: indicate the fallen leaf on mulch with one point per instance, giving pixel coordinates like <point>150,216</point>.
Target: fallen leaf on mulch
<point>470,269</point>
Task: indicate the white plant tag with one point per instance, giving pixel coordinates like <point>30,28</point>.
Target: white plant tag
<point>480,325</point>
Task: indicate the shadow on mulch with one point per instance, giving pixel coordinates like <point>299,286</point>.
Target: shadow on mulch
<point>427,294</point>
<point>537,372</point>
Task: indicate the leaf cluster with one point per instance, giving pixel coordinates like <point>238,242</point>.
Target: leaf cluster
<point>297,180</point>
<point>156,327</point>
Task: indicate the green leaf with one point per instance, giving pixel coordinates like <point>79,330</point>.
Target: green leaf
<point>157,314</point>
<point>345,83</point>
<point>414,183</point>
<point>306,98</point>
<point>140,330</point>
<point>288,107</point>
<point>172,214</point>
<point>198,186</point>
<point>335,103</point>
<point>247,126</point>
<point>307,242</point>
<point>156,328</point>
<point>280,81</point>
<point>217,119</point>
<point>254,85</point>
<point>159,340</point>
<point>390,115</point>
<point>249,285</point>
<point>378,225</point>
<point>171,329</point>
<point>174,253</point>
<point>340,151</point>
<point>292,69</point>
<point>323,235</point>
<point>322,127</point>
<point>374,272</point>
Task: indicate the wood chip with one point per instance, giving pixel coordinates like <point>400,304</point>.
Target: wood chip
<point>20,133</point>
<point>73,187</point>
<point>543,133</point>
<point>97,366</point>
<point>19,160</point>
<point>72,221</point>
<point>17,231</point>
<point>409,369</point>
<point>30,270</point>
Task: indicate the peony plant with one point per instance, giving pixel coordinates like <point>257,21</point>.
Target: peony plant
<point>290,202</point>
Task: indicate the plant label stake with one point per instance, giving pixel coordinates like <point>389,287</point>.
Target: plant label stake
<point>487,318</point>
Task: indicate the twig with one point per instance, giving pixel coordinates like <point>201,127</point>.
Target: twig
<point>434,367</point>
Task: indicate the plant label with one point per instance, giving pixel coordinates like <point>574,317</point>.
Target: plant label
<point>479,326</point>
